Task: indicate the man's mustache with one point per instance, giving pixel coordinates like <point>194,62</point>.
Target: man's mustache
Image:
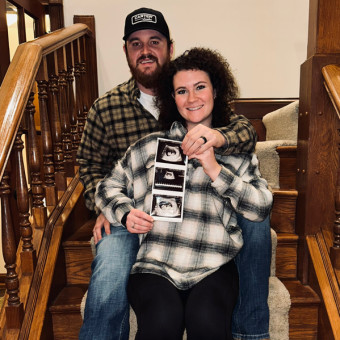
<point>147,56</point>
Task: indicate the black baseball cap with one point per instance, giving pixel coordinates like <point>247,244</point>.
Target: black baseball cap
<point>145,19</point>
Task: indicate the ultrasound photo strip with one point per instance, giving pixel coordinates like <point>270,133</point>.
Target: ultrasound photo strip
<point>169,181</point>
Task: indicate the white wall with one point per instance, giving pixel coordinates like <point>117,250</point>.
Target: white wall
<point>265,41</point>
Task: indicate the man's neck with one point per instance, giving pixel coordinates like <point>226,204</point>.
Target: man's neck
<point>151,92</point>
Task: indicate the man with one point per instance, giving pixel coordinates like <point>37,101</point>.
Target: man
<point>115,121</point>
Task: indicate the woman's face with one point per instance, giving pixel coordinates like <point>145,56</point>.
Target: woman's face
<point>194,97</point>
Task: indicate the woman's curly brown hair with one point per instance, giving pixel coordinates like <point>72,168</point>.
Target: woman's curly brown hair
<point>223,82</point>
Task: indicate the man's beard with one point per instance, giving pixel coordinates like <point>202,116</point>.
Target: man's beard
<point>149,80</point>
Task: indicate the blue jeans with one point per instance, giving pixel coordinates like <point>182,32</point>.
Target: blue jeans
<point>106,313</point>
<point>107,309</point>
<point>251,313</point>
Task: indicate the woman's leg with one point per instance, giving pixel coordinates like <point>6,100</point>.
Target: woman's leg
<point>158,307</point>
<point>210,304</point>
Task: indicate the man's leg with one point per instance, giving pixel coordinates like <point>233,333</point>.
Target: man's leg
<point>251,314</point>
<point>107,310</point>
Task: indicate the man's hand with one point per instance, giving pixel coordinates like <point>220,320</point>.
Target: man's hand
<point>193,143</point>
<point>97,229</point>
<point>138,222</point>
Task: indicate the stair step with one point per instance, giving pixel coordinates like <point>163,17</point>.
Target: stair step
<point>78,255</point>
<point>65,311</point>
<point>283,212</point>
<point>303,315</point>
<point>287,175</point>
<point>286,255</point>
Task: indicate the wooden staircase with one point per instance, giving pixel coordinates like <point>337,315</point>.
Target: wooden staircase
<point>303,323</point>
<point>53,268</point>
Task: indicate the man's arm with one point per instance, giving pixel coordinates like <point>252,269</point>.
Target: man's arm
<point>94,156</point>
<point>240,136</point>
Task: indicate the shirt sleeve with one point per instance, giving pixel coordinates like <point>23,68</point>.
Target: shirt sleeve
<point>240,136</point>
<point>113,192</point>
<point>244,189</point>
<point>94,156</point>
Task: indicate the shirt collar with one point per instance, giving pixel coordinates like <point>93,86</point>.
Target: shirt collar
<point>133,89</point>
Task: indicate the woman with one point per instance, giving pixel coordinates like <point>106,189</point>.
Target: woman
<point>184,276</point>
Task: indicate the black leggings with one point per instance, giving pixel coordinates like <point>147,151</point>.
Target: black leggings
<point>205,310</point>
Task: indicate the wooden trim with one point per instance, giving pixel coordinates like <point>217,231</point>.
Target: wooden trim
<point>256,108</point>
<point>327,281</point>
<point>331,74</point>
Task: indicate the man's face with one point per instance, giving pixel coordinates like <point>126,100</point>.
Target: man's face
<point>146,52</point>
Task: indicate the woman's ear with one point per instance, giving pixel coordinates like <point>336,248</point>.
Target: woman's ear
<point>173,94</point>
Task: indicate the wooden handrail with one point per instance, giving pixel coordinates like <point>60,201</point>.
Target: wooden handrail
<point>331,75</point>
<point>18,82</point>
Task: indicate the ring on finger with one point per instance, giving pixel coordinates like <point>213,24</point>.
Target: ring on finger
<point>133,226</point>
<point>204,139</point>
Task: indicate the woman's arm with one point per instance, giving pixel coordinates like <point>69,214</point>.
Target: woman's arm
<point>240,183</point>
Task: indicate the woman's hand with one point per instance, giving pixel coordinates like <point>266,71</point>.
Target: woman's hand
<point>193,143</point>
<point>138,222</point>
<point>208,162</point>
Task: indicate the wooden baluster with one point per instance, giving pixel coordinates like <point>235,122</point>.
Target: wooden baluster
<point>64,112</point>
<point>14,310</point>
<point>79,105</point>
<point>60,176</point>
<point>73,113</point>
<point>84,81</point>
<point>335,250</point>
<point>39,212</point>
<point>49,176</point>
<point>28,255</point>
<point>85,93</point>
<point>65,124</point>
